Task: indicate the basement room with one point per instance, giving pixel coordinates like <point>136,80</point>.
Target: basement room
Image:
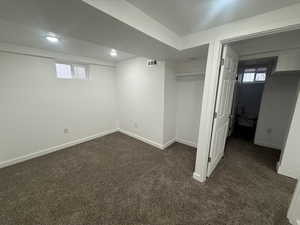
<point>149,112</point>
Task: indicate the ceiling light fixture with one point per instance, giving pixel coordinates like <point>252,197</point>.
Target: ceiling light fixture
<point>52,39</point>
<point>113,53</point>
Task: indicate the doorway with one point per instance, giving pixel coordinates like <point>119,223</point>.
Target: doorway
<point>259,115</point>
<point>251,78</point>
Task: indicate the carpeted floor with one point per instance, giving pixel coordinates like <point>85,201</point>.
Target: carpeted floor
<point>117,180</point>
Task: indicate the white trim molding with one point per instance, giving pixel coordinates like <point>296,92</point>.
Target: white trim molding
<point>143,139</point>
<point>197,177</point>
<point>263,143</point>
<point>157,145</point>
<point>288,171</point>
<point>53,149</point>
<point>169,143</point>
<point>186,142</point>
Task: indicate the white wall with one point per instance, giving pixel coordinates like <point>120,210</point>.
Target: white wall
<point>189,100</point>
<point>196,66</point>
<point>289,61</point>
<point>170,104</point>
<point>277,105</point>
<point>155,106</point>
<point>141,99</point>
<point>290,159</point>
<point>294,210</point>
<point>36,107</point>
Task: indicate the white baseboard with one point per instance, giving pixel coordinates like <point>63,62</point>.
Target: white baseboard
<point>153,143</point>
<point>293,173</point>
<point>169,143</point>
<point>185,142</point>
<point>53,149</point>
<point>293,222</point>
<point>82,140</point>
<point>197,177</point>
<point>297,222</point>
<point>267,144</point>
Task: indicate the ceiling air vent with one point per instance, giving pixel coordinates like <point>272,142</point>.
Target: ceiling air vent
<point>151,62</point>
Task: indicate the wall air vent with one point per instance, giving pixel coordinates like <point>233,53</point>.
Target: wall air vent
<point>151,62</point>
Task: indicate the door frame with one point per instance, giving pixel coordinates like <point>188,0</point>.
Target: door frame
<point>210,94</point>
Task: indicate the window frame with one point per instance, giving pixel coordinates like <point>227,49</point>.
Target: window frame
<point>72,65</point>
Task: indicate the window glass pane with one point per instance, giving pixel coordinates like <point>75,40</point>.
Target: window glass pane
<point>260,77</point>
<point>63,71</point>
<point>248,77</point>
<point>80,72</point>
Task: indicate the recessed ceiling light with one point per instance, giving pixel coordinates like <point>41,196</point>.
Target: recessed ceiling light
<point>113,53</point>
<point>52,39</point>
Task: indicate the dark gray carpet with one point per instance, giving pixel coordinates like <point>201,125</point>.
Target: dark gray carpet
<point>119,180</point>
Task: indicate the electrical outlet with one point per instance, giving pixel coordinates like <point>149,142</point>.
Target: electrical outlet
<point>66,130</point>
<point>136,125</point>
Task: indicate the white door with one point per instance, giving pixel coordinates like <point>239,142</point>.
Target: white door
<point>226,85</point>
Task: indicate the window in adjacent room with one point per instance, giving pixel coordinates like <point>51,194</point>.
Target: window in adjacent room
<point>252,75</point>
<point>261,74</point>
<point>249,75</point>
<point>71,71</point>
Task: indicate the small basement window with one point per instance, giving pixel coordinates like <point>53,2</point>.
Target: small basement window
<point>251,75</point>
<point>71,71</point>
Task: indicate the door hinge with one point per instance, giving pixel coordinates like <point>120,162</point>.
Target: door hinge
<point>209,159</point>
<point>215,115</point>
